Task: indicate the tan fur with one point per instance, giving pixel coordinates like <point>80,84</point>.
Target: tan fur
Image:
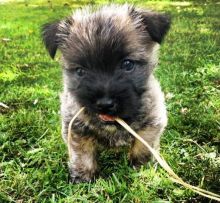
<point>139,154</point>
<point>82,162</point>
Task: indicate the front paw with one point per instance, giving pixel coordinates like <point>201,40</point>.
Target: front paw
<point>78,179</point>
<point>137,161</point>
<point>79,176</point>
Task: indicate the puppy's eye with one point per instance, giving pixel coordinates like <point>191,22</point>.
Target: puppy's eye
<point>127,65</point>
<point>80,72</point>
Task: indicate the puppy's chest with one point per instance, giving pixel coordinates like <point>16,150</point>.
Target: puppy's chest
<point>107,135</point>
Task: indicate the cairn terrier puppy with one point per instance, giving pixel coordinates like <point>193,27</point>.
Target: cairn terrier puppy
<point>108,57</point>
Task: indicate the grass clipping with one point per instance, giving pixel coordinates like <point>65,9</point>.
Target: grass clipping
<point>173,176</point>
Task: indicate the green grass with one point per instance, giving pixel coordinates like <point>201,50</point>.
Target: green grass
<point>32,154</point>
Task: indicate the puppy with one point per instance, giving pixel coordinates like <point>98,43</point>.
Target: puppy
<point>108,57</point>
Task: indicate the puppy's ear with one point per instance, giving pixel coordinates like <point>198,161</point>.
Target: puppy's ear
<point>54,34</point>
<point>157,24</point>
<point>50,38</point>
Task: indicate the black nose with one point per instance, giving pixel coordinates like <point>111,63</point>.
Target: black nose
<point>106,105</point>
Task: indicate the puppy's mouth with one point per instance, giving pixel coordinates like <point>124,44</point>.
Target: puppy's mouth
<point>107,118</point>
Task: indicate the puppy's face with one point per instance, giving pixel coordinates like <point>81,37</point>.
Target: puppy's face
<point>108,55</point>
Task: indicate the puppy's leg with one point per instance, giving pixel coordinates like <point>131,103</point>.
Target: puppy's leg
<point>139,153</point>
<point>82,158</point>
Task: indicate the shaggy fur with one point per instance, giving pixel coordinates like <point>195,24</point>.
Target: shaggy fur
<point>95,44</point>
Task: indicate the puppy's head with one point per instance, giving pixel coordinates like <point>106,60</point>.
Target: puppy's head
<point>108,55</point>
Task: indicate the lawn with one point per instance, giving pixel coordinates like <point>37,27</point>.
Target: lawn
<point>32,154</point>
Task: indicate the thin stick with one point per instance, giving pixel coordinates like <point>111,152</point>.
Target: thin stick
<point>69,137</point>
<point>174,177</point>
<point>163,163</point>
<point>4,105</point>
